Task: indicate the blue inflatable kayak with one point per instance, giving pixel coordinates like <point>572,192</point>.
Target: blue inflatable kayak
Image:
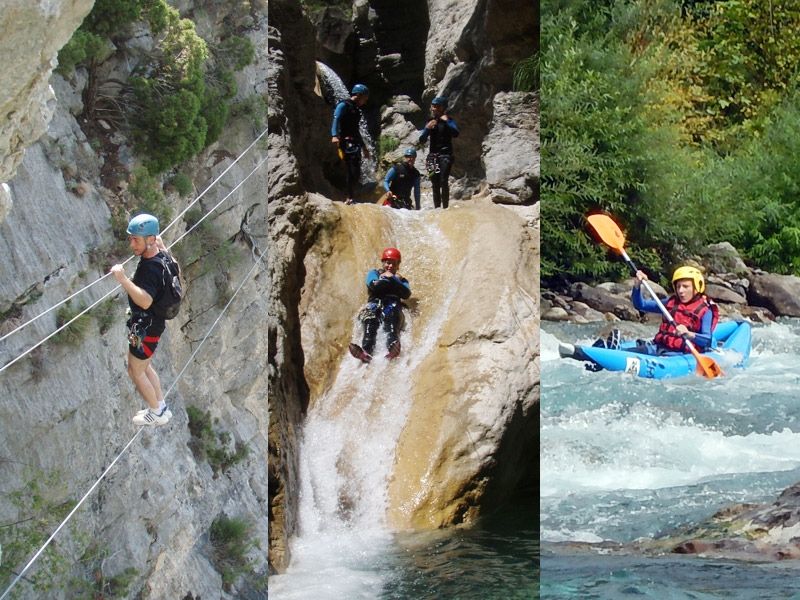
<point>731,342</point>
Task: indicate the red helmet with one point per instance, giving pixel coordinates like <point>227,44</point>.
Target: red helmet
<point>391,253</point>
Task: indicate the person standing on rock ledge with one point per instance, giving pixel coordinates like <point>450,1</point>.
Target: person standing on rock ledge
<point>147,285</point>
<point>386,288</point>
<point>347,136</point>
<point>401,179</point>
<point>441,129</point>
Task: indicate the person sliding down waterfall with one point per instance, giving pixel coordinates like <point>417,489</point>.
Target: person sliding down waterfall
<point>400,180</point>
<point>442,129</point>
<point>386,288</point>
<point>346,135</point>
<point>146,287</point>
<point>694,313</point>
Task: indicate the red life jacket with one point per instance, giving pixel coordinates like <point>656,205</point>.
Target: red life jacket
<point>691,315</point>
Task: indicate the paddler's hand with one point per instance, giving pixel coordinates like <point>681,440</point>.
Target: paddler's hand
<point>640,277</point>
<point>684,332</point>
<point>335,140</point>
<point>385,275</point>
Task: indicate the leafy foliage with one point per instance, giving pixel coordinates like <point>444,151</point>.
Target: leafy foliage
<point>82,46</point>
<point>526,74</point>
<point>208,445</point>
<point>232,540</point>
<point>678,119</point>
<point>176,98</point>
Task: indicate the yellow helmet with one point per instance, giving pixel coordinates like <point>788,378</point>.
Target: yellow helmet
<point>692,273</point>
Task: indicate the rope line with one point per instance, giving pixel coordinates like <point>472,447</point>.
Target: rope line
<point>83,289</point>
<point>136,435</point>
<point>118,286</point>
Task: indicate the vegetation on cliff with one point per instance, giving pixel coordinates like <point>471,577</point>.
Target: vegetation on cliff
<point>679,118</point>
<point>176,101</point>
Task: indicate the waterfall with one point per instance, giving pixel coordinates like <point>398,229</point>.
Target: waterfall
<point>349,438</point>
<point>334,91</point>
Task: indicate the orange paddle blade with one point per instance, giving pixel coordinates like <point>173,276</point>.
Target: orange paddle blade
<point>608,231</point>
<point>708,367</point>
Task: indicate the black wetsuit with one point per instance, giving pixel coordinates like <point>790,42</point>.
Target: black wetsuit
<point>400,180</point>
<point>346,119</point>
<point>440,158</point>
<point>383,307</point>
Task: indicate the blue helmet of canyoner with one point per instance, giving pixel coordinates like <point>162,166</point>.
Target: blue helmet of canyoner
<point>144,225</point>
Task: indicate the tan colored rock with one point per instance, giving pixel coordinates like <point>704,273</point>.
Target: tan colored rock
<point>470,432</point>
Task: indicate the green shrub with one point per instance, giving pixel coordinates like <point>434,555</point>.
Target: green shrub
<point>37,512</point>
<point>182,184</point>
<point>232,539</point>
<point>387,144</point>
<point>149,198</point>
<point>526,74</point>
<point>252,108</point>
<point>235,52</point>
<point>82,45</point>
<point>96,584</point>
<point>106,313</point>
<point>210,446</point>
<point>76,332</point>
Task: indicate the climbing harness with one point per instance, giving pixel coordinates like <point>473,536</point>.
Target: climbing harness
<point>432,164</point>
<point>350,145</point>
<point>136,335</point>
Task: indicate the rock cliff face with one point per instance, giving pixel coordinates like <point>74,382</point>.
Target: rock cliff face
<point>481,376</point>
<point>33,33</point>
<point>68,406</point>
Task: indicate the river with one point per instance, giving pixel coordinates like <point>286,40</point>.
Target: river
<point>624,458</point>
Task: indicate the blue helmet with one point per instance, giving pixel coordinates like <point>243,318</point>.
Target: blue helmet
<point>143,225</point>
<point>439,100</point>
<point>361,89</point>
<point>410,152</point>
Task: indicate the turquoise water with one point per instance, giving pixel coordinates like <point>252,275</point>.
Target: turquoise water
<point>495,560</point>
<point>623,458</point>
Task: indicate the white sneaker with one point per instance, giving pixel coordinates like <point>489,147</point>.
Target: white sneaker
<point>167,414</point>
<point>149,418</point>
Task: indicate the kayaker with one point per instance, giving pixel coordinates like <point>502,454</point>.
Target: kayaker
<point>696,314</point>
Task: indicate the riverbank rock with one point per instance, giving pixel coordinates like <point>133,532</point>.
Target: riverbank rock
<point>747,531</point>
<point>779,293</point>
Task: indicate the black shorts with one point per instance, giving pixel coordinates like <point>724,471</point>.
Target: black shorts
<point>152,333</point>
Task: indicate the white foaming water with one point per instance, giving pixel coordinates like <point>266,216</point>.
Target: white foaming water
<point>623,457</point>
<point>335,91</point>
<point>348,442</point>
